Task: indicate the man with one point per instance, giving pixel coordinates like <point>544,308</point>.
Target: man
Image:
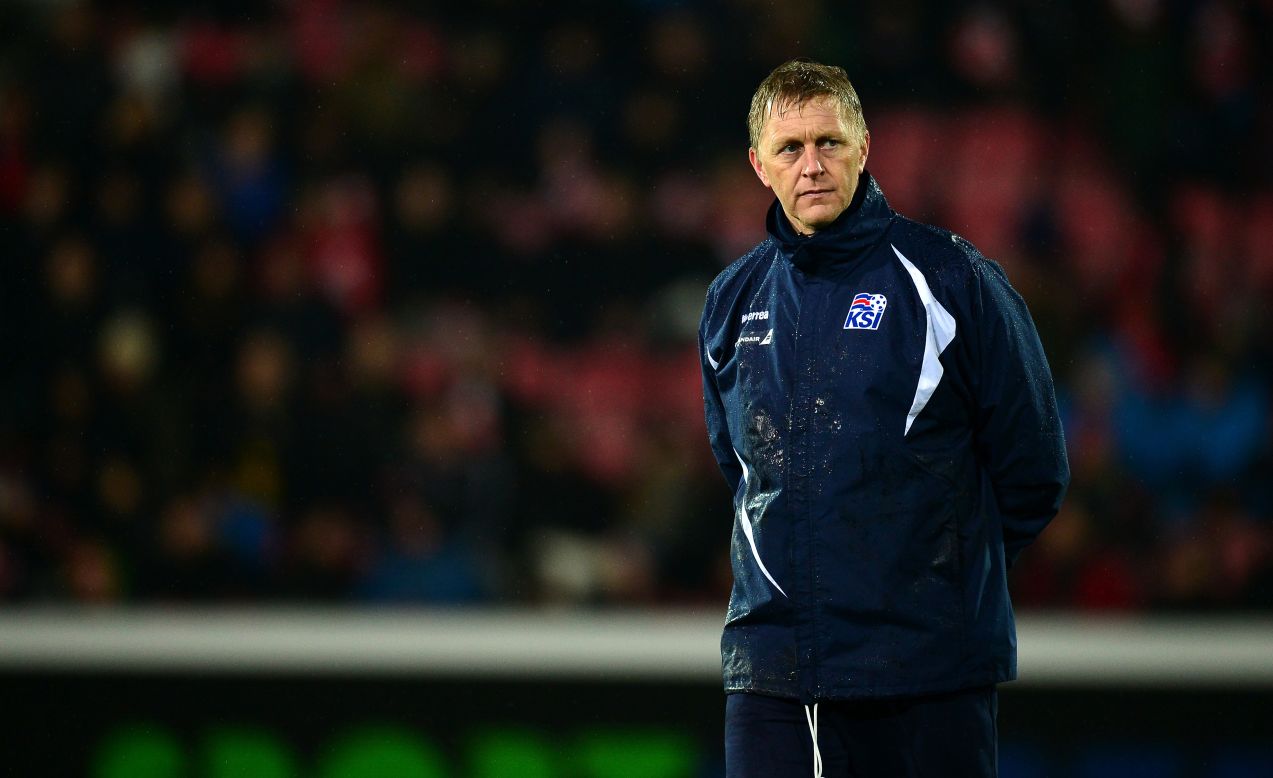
<point>879,402</point>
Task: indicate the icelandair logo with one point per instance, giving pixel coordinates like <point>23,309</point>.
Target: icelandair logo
<point>759,341</point>
<point>866,312</point>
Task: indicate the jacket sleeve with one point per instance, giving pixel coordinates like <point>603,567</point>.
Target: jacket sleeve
<point>714,409</point>
<point>1019,437</point>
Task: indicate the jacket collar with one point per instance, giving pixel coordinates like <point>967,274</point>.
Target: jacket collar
<point>860,226</point>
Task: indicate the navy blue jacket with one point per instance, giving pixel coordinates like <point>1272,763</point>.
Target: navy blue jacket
<point>880,404</point>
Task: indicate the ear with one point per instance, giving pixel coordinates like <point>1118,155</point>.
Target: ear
<point>866,150</point>
<point>754,158</point>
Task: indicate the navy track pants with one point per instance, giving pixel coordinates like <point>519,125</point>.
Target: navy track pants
<point>950,735</point>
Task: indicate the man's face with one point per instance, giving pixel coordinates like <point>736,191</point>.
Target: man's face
<point>811,158</point>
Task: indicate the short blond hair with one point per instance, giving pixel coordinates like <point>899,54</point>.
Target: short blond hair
<point>794,82</point>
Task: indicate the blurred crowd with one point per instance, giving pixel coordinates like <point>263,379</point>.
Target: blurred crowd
<point>396,302</point>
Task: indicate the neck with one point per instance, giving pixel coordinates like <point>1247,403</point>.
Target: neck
<point>799,228</point>
<point>860,225</point>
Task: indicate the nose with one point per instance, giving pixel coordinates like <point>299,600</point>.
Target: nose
<point>812,163</point>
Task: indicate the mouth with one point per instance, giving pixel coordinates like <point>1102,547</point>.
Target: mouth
<point>815,192</point>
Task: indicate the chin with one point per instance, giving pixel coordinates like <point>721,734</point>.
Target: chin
<point>822,216</point>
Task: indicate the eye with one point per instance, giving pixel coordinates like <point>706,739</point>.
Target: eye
<point>830,143</point>
<point>789,148</point>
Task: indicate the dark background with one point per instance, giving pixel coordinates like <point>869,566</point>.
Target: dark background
<point>80,724</point>
<point>369,302</point>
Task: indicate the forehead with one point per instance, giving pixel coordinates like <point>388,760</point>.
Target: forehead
<point>817,114</point>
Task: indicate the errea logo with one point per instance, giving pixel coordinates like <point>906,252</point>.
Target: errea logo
<point>866,311</point>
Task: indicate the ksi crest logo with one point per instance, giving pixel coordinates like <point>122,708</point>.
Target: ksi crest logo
<point>866,312</point>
